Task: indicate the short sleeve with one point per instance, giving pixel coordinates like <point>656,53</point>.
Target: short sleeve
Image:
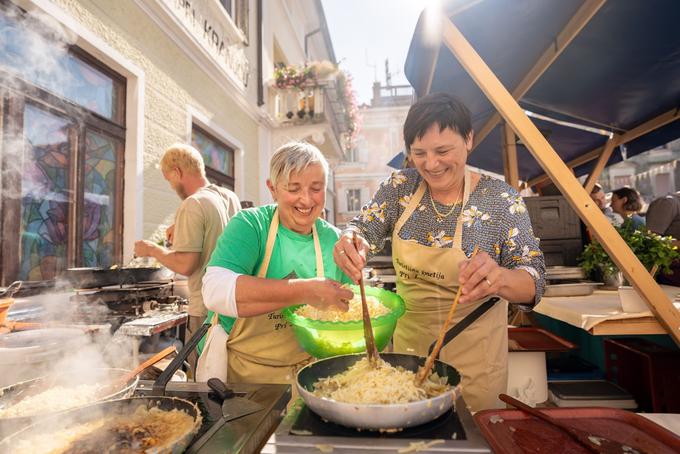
<point>189,227</point>
<point>238,247</point>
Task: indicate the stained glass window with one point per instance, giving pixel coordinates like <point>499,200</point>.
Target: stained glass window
<point>44,194</point>
<point>49,64</point>
<point>216,154</point>
<point>63,129</point>
<point>99,206</point>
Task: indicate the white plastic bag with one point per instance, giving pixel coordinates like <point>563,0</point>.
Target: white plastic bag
<point>213,360</point>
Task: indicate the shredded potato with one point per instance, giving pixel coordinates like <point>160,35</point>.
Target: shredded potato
<point>57,398</point>
<point>386,384</point>
<point>375,309</point>
<point>145,430</point>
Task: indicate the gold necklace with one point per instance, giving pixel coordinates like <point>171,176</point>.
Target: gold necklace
<point>441,216</point>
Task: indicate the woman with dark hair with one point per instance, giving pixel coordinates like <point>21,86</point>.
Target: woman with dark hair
<point>437,213</point>
<point>626,202</point>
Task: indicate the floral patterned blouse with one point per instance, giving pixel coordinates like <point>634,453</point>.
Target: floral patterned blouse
<point>494,218</point>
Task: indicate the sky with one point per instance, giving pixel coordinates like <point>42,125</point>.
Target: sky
<point>366,32</point>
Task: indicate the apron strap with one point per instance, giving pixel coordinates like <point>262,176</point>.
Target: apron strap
<point>458,234</point>
<point>271,239</point>
<point>416,197</point>
<point>468,320</point>
<point>317,252</point>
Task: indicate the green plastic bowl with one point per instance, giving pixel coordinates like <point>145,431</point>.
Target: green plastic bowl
<point>323,339</point>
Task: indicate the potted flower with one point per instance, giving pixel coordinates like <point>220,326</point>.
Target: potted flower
<point>655,252</point>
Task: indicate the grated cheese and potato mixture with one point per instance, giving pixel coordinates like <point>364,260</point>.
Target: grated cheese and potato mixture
<point>375,309</point>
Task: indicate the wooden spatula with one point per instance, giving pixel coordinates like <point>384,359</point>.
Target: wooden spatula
<point>592,442</point>
<point>425,370</point>
<point>148,363</point>
<point>371,349</point>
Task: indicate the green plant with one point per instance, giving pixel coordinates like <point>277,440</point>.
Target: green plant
<point>654,251</point>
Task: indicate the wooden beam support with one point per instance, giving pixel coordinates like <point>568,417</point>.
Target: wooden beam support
<point>509,147</point>
<point>600,164</point>
<point>640,130</point>
<point>616,247</point>
<point>579,20</point>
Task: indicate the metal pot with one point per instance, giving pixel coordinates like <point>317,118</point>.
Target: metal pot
<point>376,417</point>
<point>13,394</point>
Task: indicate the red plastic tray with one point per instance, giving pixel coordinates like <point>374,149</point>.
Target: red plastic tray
<point>515,432</point>
<point>536,340</point>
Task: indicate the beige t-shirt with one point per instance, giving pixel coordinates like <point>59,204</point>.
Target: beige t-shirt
<point>199,222</point>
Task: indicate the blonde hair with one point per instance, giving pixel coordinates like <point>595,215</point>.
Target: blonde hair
<point>295,157</point>
<point>185,157</point>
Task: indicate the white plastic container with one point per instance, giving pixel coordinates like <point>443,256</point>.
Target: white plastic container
<point>528,377</point>
<point>632,302</point>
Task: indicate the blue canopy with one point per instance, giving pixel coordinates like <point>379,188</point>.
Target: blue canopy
<point>620,71</point>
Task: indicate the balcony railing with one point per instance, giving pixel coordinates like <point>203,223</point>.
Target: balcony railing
<point>313,105</point>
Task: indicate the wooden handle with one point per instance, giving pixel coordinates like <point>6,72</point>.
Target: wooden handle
<point>149,362</point>
<point>540,415</point>
<point>425,370</point>
<point>371,350</point>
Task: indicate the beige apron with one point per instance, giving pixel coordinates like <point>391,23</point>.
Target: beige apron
<point>263,349</point>
<point>427,280</point>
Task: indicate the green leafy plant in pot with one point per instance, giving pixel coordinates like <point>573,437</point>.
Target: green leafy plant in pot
<point>654,251</point>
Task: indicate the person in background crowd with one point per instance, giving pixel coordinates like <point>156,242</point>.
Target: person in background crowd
<point>626,203</point>
<point>663,217</point>
<point>204,212</point>
<point>599,197</point>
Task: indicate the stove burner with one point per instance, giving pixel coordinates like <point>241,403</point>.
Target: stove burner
<point>446,427</point>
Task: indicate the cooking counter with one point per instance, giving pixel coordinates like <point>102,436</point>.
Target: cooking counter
<point>599,314</point>
<point>301,432</point>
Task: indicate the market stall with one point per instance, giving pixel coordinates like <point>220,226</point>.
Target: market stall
<point>588,86</point>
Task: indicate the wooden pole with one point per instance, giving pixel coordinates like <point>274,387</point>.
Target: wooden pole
<point>510,167</point>
<point>640,130</point>
<point>550,161</point>
<point>600,164</point>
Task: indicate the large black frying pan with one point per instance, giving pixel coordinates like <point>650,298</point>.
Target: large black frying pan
<point>102,277</point>
<point>106,440</point>
<point>380,416</point>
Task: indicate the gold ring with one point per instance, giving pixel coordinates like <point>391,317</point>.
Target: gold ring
<point>488,281</point>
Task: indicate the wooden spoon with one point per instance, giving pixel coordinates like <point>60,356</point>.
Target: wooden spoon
<point>371,349</point>
<point>424,371</point>
<point>139,369</point>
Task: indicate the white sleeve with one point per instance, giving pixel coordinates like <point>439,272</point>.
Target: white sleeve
<point>219,290</point>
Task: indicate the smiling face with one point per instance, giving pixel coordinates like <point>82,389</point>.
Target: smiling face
<point>301,199</point>
<point>440,157</point>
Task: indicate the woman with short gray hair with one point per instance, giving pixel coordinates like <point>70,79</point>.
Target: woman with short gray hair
<point>271,257</point>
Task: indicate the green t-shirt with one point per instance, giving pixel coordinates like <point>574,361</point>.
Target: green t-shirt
<point>241,249</point>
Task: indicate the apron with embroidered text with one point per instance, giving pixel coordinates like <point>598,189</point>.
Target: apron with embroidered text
<point>263,349</point>
<point>427,280</point>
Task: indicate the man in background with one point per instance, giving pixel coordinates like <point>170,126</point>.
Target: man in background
<point>599,197</point>
<point>205,210</point>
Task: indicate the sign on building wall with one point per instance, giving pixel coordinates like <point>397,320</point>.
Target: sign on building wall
<point>210,23</point>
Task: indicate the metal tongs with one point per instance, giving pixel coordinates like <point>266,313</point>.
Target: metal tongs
<point>371,350</point>
<point>11,290</point>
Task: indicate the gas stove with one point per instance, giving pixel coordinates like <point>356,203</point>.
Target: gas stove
<point>303,431</point>
<point>123,304</point>
<point>243,435</point>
